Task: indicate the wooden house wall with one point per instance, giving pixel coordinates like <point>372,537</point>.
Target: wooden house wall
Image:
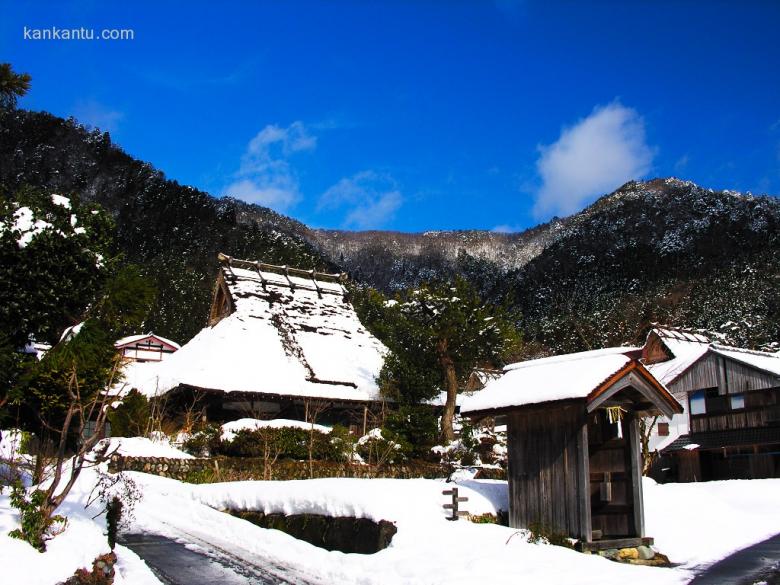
<point>547,467</point>
<point>729,376</point>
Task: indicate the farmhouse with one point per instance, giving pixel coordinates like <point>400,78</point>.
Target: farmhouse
<point>573,439</point>
<point>146,347</point>
<point>730,428</point>
<point>280,342</point>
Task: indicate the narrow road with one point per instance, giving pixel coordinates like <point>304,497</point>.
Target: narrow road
<point>759,563</point>
<point>201,563</point>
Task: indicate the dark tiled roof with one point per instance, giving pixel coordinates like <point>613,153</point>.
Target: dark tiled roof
<point>734,438</point>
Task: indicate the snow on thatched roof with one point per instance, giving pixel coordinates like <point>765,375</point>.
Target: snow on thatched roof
<point>287,332</point>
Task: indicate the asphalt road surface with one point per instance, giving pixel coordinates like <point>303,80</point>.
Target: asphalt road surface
<point>759,563</point>
<point>200,563</point>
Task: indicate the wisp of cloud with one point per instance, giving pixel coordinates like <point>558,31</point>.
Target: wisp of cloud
<point>265,176</point>
<point>593,157</point>
<point>371,199</point>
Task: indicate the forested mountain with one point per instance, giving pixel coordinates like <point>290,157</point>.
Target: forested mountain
<point>662,250</point>
<point>174,232</point>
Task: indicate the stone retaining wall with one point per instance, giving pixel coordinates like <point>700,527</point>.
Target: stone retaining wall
<point>206,470</point>
<point>343,533</point>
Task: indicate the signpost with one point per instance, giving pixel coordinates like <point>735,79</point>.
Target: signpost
<point>454,505</point>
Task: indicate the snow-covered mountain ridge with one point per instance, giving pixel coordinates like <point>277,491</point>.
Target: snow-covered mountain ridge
<point>660,250</point>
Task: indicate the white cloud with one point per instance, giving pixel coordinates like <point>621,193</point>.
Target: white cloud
<point>593,157</point>
<point>371,199</point>
<point>97,115</point>
<point>279,197</point>
<point>265,176</point>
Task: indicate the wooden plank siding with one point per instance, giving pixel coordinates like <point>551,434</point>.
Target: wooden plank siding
<point>547,465</point>
<point>716,371</point>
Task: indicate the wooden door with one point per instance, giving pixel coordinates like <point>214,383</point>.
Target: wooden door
<point>611,489</point>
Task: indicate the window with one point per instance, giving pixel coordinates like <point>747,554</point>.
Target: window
<point>663,429</point>
<point>696,402</point>
<point>737,401</point>
<point>715,403</point>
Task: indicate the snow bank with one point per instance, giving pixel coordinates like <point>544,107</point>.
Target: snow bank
<point>700,523</point>
<point>143,447</point>
<point>130,569</point>
<point>404,500</point>
<point>77,547</point>
<point>230,429</point>
<point>694,524</point>
<point>427,549</point>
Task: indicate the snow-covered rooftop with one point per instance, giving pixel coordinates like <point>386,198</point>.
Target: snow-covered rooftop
<point>769,362</point>
<point>136,338</point>
<point>287,334</point>
<point>689,347</point>
<point>548,379</point>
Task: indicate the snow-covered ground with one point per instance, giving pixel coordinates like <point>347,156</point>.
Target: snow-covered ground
<point>142,447</point>
<point>694,524</point>
<point>84,538</point>
<point>230,429</point>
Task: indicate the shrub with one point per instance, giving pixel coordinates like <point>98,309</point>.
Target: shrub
<point>36,525</point>
<point>380,446</point>
<point>131,417</point>
<point>415,425</point>
<point>202,476</point>
<point>539,533</point>
<point>113,517</point>
<point>344,444</point>
<point>205,442</point>
<point>284,443</point>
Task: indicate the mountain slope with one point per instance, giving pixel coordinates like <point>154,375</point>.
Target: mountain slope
<point>173,231</point>
<point>664,250</point>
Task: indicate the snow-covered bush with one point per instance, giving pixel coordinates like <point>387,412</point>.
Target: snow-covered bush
<point>131,417</point>
<point>285,442</point>
<point>475,446</point>
<point>382,446</point>
<point>205,442</point>
<point>344,444</point>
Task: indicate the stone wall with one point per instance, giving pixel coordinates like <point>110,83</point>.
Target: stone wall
<point>343,533</point>
<point>206,470</point>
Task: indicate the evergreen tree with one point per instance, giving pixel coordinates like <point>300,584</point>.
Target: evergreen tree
<point>437,335</point>
<point>12,85</point>
<point>57,270</point>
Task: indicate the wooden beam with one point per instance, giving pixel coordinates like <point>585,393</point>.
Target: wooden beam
<point>613,543</point>
<point>636,476</point>
<point>583,483</point>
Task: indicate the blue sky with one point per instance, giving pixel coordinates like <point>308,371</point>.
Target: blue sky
<point>415,115</point>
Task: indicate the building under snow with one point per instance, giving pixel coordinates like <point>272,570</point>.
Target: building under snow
<point>573,443</point>
<point>730,427</point>
<point>146,347</point>
<point>279,341</point>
